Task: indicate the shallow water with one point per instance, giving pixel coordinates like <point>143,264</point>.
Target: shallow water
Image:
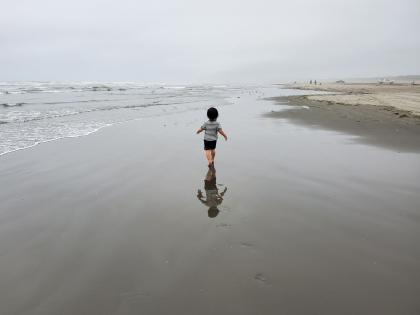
<point>310,222</point>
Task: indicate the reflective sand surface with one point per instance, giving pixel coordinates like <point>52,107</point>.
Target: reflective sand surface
<point>311,221</point>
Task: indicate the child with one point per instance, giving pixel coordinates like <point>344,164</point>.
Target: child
<point>211,128</point>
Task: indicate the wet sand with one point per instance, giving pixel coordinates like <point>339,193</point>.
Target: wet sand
<point>371,124</point>
<point>310,221</point>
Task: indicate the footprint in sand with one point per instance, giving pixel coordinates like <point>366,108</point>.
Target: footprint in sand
<point>134,295</point>
<point>249,247</point>
<point>224,225</point>
<point>261,279</point>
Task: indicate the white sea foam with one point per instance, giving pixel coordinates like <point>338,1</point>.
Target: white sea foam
<point>38,112</point>
<point>175,87</point>
<point>30,145</point>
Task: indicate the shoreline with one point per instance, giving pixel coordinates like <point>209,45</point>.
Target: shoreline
<point>382,126</point>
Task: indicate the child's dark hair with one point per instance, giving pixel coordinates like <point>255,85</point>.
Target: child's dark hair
<point>213,212</point>
<point>212,113</point>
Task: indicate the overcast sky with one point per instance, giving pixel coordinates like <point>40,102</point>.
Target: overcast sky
<point>193,41</point>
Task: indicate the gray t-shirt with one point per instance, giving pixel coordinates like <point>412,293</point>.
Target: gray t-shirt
<point>211,128</point>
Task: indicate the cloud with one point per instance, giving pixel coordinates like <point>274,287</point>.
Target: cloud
<point>207,41</point>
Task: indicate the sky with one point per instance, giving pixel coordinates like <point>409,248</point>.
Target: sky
<point>218,41</point>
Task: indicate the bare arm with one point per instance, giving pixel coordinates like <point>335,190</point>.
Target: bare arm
<point>223,134</point>
<point>200,130</point>
<point>200,197</point>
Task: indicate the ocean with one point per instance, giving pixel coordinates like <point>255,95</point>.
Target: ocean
<point>36,112</point>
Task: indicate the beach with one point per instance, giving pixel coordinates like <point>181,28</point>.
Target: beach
<point>318,215</point>
<point>402,98</point>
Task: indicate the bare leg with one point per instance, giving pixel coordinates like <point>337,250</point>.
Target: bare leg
<point>211,173</point>
<point>213,155</point>
<point>209,156</point>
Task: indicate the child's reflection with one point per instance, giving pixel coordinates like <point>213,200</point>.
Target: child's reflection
<point>213,197</point>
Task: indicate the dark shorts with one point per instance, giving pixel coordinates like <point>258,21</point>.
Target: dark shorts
<point>209,145</point>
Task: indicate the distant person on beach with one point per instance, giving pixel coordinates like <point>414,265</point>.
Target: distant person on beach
<point>213,197</point>
<point>211,127</point>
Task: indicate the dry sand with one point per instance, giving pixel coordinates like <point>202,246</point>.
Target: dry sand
<point>311,222</point>
<point>404,97</point>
